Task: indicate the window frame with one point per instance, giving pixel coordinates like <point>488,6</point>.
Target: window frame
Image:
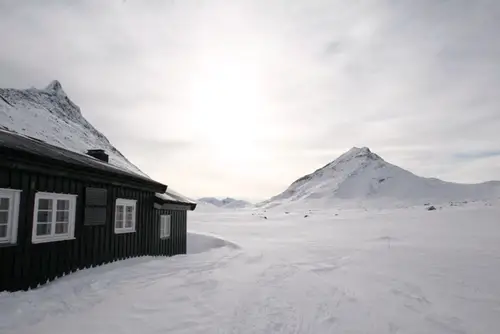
<point>53,237</point>
<point>125,203</point>
<point>14,196</point>
<point>167,227</point>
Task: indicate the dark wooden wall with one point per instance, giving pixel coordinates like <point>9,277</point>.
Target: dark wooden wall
<point>176,244</point>
<point>27,265</point>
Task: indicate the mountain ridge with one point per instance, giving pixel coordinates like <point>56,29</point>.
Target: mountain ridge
<point>48,114</point>
<point>227,203</point>
<point>361,175</point>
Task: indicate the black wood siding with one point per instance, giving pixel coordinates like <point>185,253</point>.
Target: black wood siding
<point>26,265</point>
<point>176,244</point>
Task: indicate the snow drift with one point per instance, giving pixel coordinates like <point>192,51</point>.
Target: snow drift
<point>203,242</point>
<point>361,175</point>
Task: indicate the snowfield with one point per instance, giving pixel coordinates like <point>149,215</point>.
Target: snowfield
<point>335,271</point>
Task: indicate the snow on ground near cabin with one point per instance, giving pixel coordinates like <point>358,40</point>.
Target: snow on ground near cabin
<point>399,271</point>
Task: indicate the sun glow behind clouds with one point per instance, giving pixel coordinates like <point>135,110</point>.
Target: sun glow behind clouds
<point>225,99</point>
<point>228,107</point>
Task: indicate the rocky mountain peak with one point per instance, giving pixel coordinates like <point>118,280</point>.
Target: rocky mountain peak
<point>358,152</point>
<point>55,87</point>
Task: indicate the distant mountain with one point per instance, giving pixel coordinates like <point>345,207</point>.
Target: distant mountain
<point>49,115</point>
<point>227,203</point>
<point>361,175</point>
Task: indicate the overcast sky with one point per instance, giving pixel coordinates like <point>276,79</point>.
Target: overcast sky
<point>240,98</point>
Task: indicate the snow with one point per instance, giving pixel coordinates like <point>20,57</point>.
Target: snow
<point>335,271</point>
<point>201,242</point>
<point>49,115</point>
<point>360,178</point>
<point>172,195</point>
<point>207,207</point>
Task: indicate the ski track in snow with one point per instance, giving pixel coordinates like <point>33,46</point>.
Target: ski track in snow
<point>401,271</point>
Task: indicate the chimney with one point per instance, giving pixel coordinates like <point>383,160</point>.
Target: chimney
<point>98,154</point>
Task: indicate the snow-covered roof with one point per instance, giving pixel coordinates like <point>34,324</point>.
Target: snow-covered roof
<point>23,146</point>
<point>173,196</point>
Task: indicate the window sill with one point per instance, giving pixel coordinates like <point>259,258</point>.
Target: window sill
<point>164,238</point>
<point>124,231</point>
<point>42,241</point>
<point>7,244</point>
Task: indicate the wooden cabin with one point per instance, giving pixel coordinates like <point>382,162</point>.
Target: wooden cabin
<point>61,211</point>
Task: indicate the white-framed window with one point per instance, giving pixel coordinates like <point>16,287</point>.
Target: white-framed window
<point>125,213</point>
<point>9,215</point>
<point>165,226</point>
<point>53,217</point>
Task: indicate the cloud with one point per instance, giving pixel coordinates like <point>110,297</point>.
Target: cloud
<point>292,84</point>
<point>477,154</point>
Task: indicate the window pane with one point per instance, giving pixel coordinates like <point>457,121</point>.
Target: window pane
<point>4,217</point>
<point>3,231</point>
<point>62,216</point>
<point>44,204</point>
<point>119,224</point>
<point>4,204</point>
<point>62,204</point>
<point>44,216</point>
<point>62,228</point>
<point>43,229</point>
<point>129,217</point>
<point>165,225</point>
<point>119,213</point>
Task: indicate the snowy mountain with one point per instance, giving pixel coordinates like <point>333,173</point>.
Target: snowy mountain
<point>227,203</point>
<point>361,175</point>
<point>49,115</point>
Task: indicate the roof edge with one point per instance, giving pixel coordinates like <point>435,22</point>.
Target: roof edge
<point>24,149</point>
<point>56,168</point>
<point>160,198</point>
